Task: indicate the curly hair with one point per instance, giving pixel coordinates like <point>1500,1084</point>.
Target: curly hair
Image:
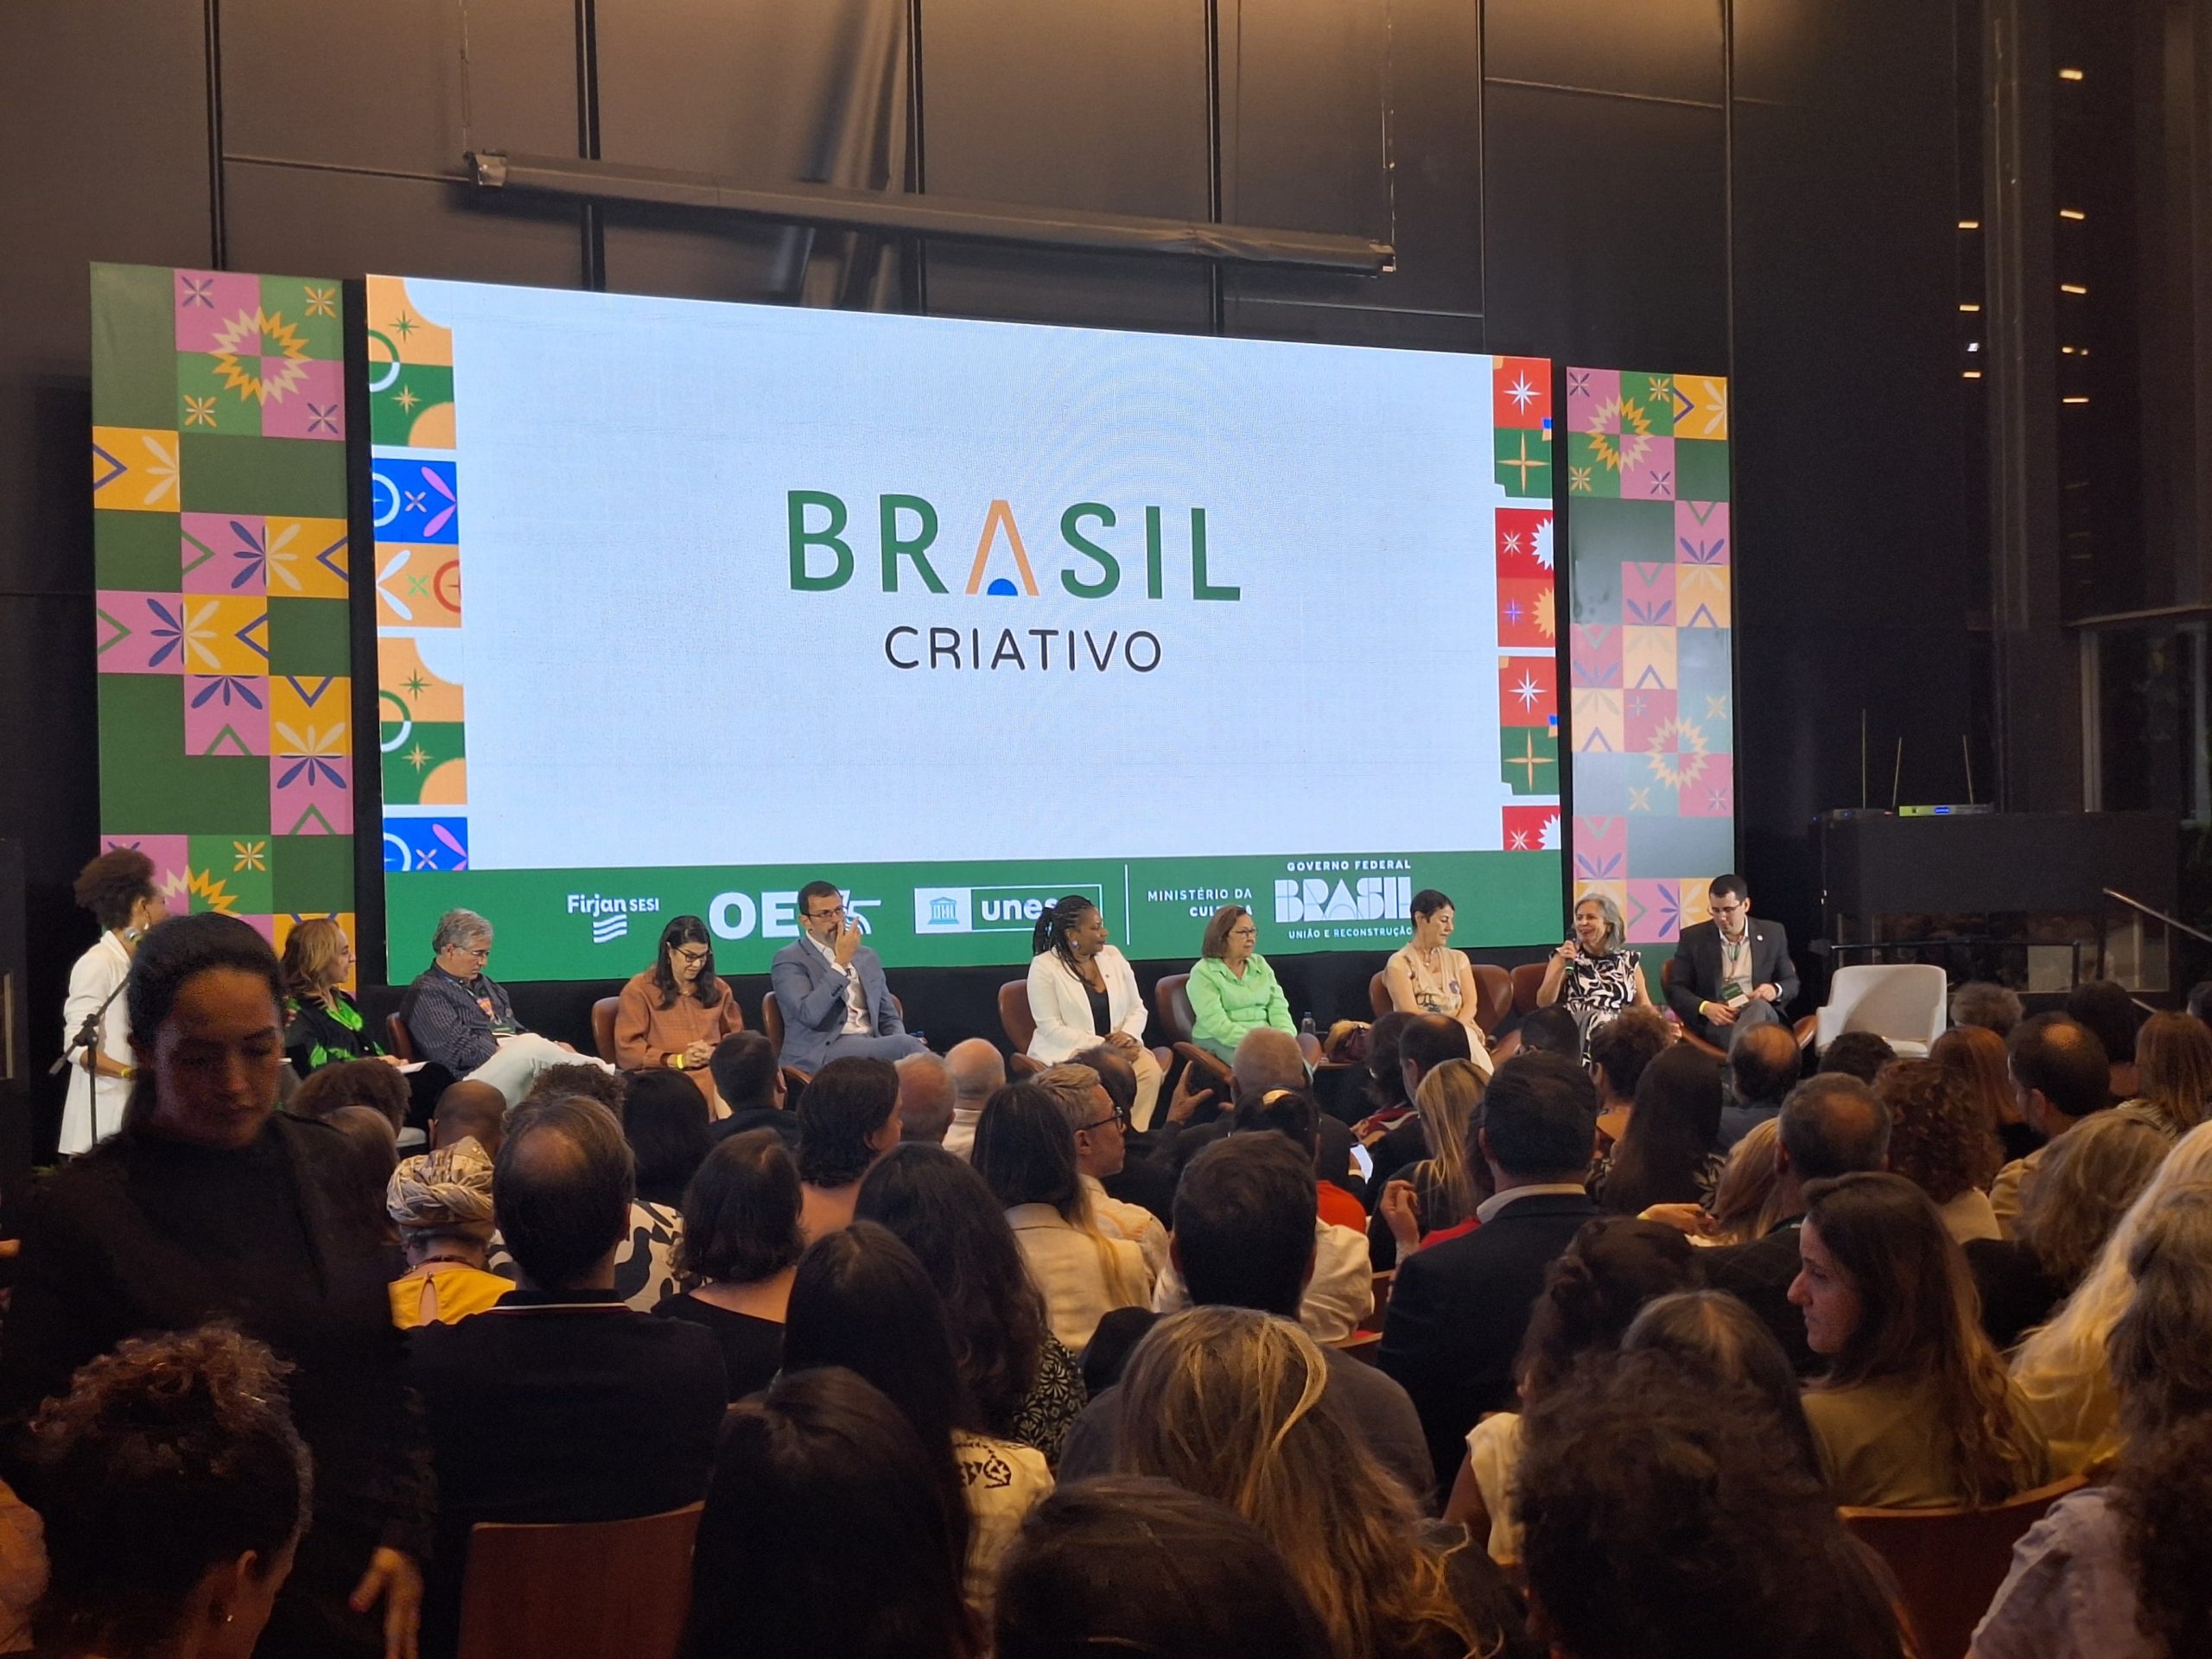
<point>2162,1492</point>
<point>1941,1138</point>
<point>610,1089</point>
<point>372,1083</point>
<point>170,1456</point>
<point>113,883</point>
<point>1592,1293</point>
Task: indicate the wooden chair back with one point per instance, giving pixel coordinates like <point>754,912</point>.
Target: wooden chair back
<point>1171,1006</point>
<point>1528,980</point>
<point>595,1590</point>
<point>395,1028</point>
<point>1494,997</point>
<point>1378,995</point>
<point>602,1027</point>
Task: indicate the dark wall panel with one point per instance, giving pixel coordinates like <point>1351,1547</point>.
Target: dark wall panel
<point>1652,48</point>
<point>316,224</point>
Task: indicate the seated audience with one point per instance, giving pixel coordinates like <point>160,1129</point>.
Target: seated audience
<point>1916,1410</point>
<point>1129,1565</point>
<point>2105,1007</point>
<point>1992,1008</point>
<point>1458,1311</point>
<point>1146,1178</point>
<point>2173,1068</point>
<point>1670,1152</point>
<point>180,1492</point>
<point>1861,1054</point>
<point>341,1083</point>
<point>2116,1571</point>
<point>1433,1198</point>
<point>1747,1199</point>
<point>861,1300</point>
<point>1026,1153</point>
<point>1022,1379</point>
<point>978,1071</point>
<point>1232,989</point>
<point>671,1016</point>
<point>470,1111</point>
<point>1245,1231</point>
<point>2059,1075</point>
<point>560,1404</point>
<point>2061,1367</point>
<point>1594,976</point>
<point>1426,975</point>
<point>459,1017</point>
<point>1221,1401</point>
<point>1612,1268</point>
<point>925,1098</point>
<point>1974,1059</point>
<point>847,1118</point>
<point>1710,1334</point>
<point>1942,1142</point>
<point>1099,1153</point>
<point>1551,1031</point>
<point>1424,1042</point>
<point>322,1022</point>
<point>441,1201</point>
<point>372,1154</point>
<point>1763,1065</point>
<point>2077,1197</point>
<point>1831,1125</point>
<point>831,1531</point>
<point>751,1083</point>
<point>1664,1513</point>
<point>664,1121</point>
<point>1733,972</point>
<point>741,1246</point>
<point>1081,990</point>
<point>831,991</point>
<point>1382,1086</point>
<point>1266,1061</point>
<point>1619,1050</point>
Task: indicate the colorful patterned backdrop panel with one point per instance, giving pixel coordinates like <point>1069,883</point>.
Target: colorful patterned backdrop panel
<point>219,535</point>
<point>1650,654</point>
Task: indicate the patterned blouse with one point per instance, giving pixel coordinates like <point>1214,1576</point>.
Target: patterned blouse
<point>321,1032</point>
<point>1598,988</point>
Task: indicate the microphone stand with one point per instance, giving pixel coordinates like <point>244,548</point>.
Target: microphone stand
<point>88,1037</point>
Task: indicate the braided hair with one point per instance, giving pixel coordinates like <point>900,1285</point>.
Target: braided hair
<point>1055,924</point>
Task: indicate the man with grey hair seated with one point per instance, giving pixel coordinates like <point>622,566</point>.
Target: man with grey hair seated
<point>459,1017</point>
<point>1099,1125</point>
<point>925,1098</point>
<point>978,1071</point>
<point>1985,1003</point>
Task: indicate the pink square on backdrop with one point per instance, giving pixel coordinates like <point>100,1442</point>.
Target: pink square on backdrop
<point>226,714</point>
<point>302,787</point>
<point>1649,476</point>
<point>207,301</point>
<point>265,925</point>
<point>1600,849</point>
<point>1594,654</point>
<point>312,407</point>
<point>1714,794</point>
<point>1587,390</point>
<point>1701,532</point>
<point>1654,912</point>
<point>171,855</point>
<point>224,553</point>
<point>140,634</point>
<point>1647,594</point>
<point>1645,715</point>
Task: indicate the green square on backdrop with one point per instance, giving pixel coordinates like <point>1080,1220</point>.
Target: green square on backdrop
<point>1701,469</point>
<point>146,777</point>
<point>207,402</point>
<point>1524,463</point>
<point>311,308</point>
<point>137,552</point>
<point>310,636</point>
<point>1586,471</point>
<point>134,345</point>
<point>288,477</point>
<point>314,872</point>
<point>238,858</point>
<point>1655,395</point>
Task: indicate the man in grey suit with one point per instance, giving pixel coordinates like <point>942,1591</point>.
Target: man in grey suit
<point>1733,972</point>
<point>831,989</point>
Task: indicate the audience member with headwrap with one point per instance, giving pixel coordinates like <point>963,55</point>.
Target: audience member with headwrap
<point>442,1203</point>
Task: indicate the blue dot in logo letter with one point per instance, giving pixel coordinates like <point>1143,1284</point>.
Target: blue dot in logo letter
<point>1002,587</point>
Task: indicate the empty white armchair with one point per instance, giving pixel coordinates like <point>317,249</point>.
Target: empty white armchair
<point>1901,1002</point>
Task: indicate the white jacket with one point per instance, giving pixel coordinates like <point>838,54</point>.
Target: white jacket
<point>95,977</point>
<point>1061,1004</point>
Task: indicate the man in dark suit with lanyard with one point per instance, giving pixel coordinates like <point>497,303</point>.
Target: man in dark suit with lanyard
<point>1733,971</point>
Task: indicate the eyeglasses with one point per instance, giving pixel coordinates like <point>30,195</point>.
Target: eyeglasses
<point>481,952</point>
<point>1117,1116</point>
<point>824,914</point>
<point>694,956</point>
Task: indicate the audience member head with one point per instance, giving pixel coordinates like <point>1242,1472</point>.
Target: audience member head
<point>470,1111</point>
<point>746,1073</point>
<point>2083,1187</point>
<point>1831,1125</point>
<point>665,1120</point>
<point>1763,1063</point>
<point>371,1151</point>
<point>1115,1071</point>
<point>1244,1216</point>
<point>1452,1178</point>
<point>1386,1075</point>
<point>1749,1199</point>
<point>1426,1042</point>
<point>442,1199</point>
<point>1714,1335</point>
<point>1539,1121</point>
<point>1861,1054</point>
<point>1552,1030</point>
<point>2060,1072</point>
<point>2163,1494</point>
<point>1025,1151</point>
<point>741,1212</point>
<point>563,1187</point>
<point>318,958</point>
<point>943,1212</point>
<point>1124,1564</point>
<point>925,1098</point>
<point>1940,1138</point>
<point>1622,1047</point>
<point>206,1002</point>
<point>1222,1402</point>
<point>2162,1346</point>
<point>683,964</point>
<point>328,1089</point>
<point>1987,1006</point>
<point>461,944</point>
<point>977,1069</point>
<point>1672,1134</point>
<point>180,1489</point>
<point>118,889</point>
<point>2173,1063</point>
<point>1591,1292</point>
<point>1887,1294</point>
<point>1665,1514</point>
<point>1291,1112</point>
<point>573,1078</point>
<point>826,1532</point>
<point>2200,1001</point>
<point>847,1118</point>
<point>1266,1059</point>
<point>1091,1116</point>
<point>2105,1007</point>
<point>1972,1057</point>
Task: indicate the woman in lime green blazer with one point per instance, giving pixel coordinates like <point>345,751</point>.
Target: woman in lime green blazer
<point>1232,989</point>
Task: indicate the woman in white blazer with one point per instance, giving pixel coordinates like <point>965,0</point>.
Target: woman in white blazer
<point>118,889</point>
<point>1083,992</point>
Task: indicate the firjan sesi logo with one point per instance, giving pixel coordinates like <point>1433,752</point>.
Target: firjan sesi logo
<point>609,918</point>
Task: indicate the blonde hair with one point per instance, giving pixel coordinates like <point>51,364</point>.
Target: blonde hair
<point>1747,1199</point>
<point>2173,1066</point>
<point>310,950</point>
<point>1222,1402</point>
<point>2061,1369</point>
<point>1448,1100</point>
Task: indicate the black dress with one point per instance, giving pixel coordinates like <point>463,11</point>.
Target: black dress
<point>145,1235</point>
<point>753,1349</point>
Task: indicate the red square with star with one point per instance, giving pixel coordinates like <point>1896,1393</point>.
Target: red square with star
<point>1520,393</point>
<point>1528,693</point>
<point>1524,542</point>
<point>1530,828</point>
<point>1525,615</point>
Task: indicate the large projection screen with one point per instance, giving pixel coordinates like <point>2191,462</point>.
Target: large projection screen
<point>681,605</point>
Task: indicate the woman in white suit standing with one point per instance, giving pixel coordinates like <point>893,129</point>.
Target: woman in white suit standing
<point>118,889</point>
<point>1083,991</point>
